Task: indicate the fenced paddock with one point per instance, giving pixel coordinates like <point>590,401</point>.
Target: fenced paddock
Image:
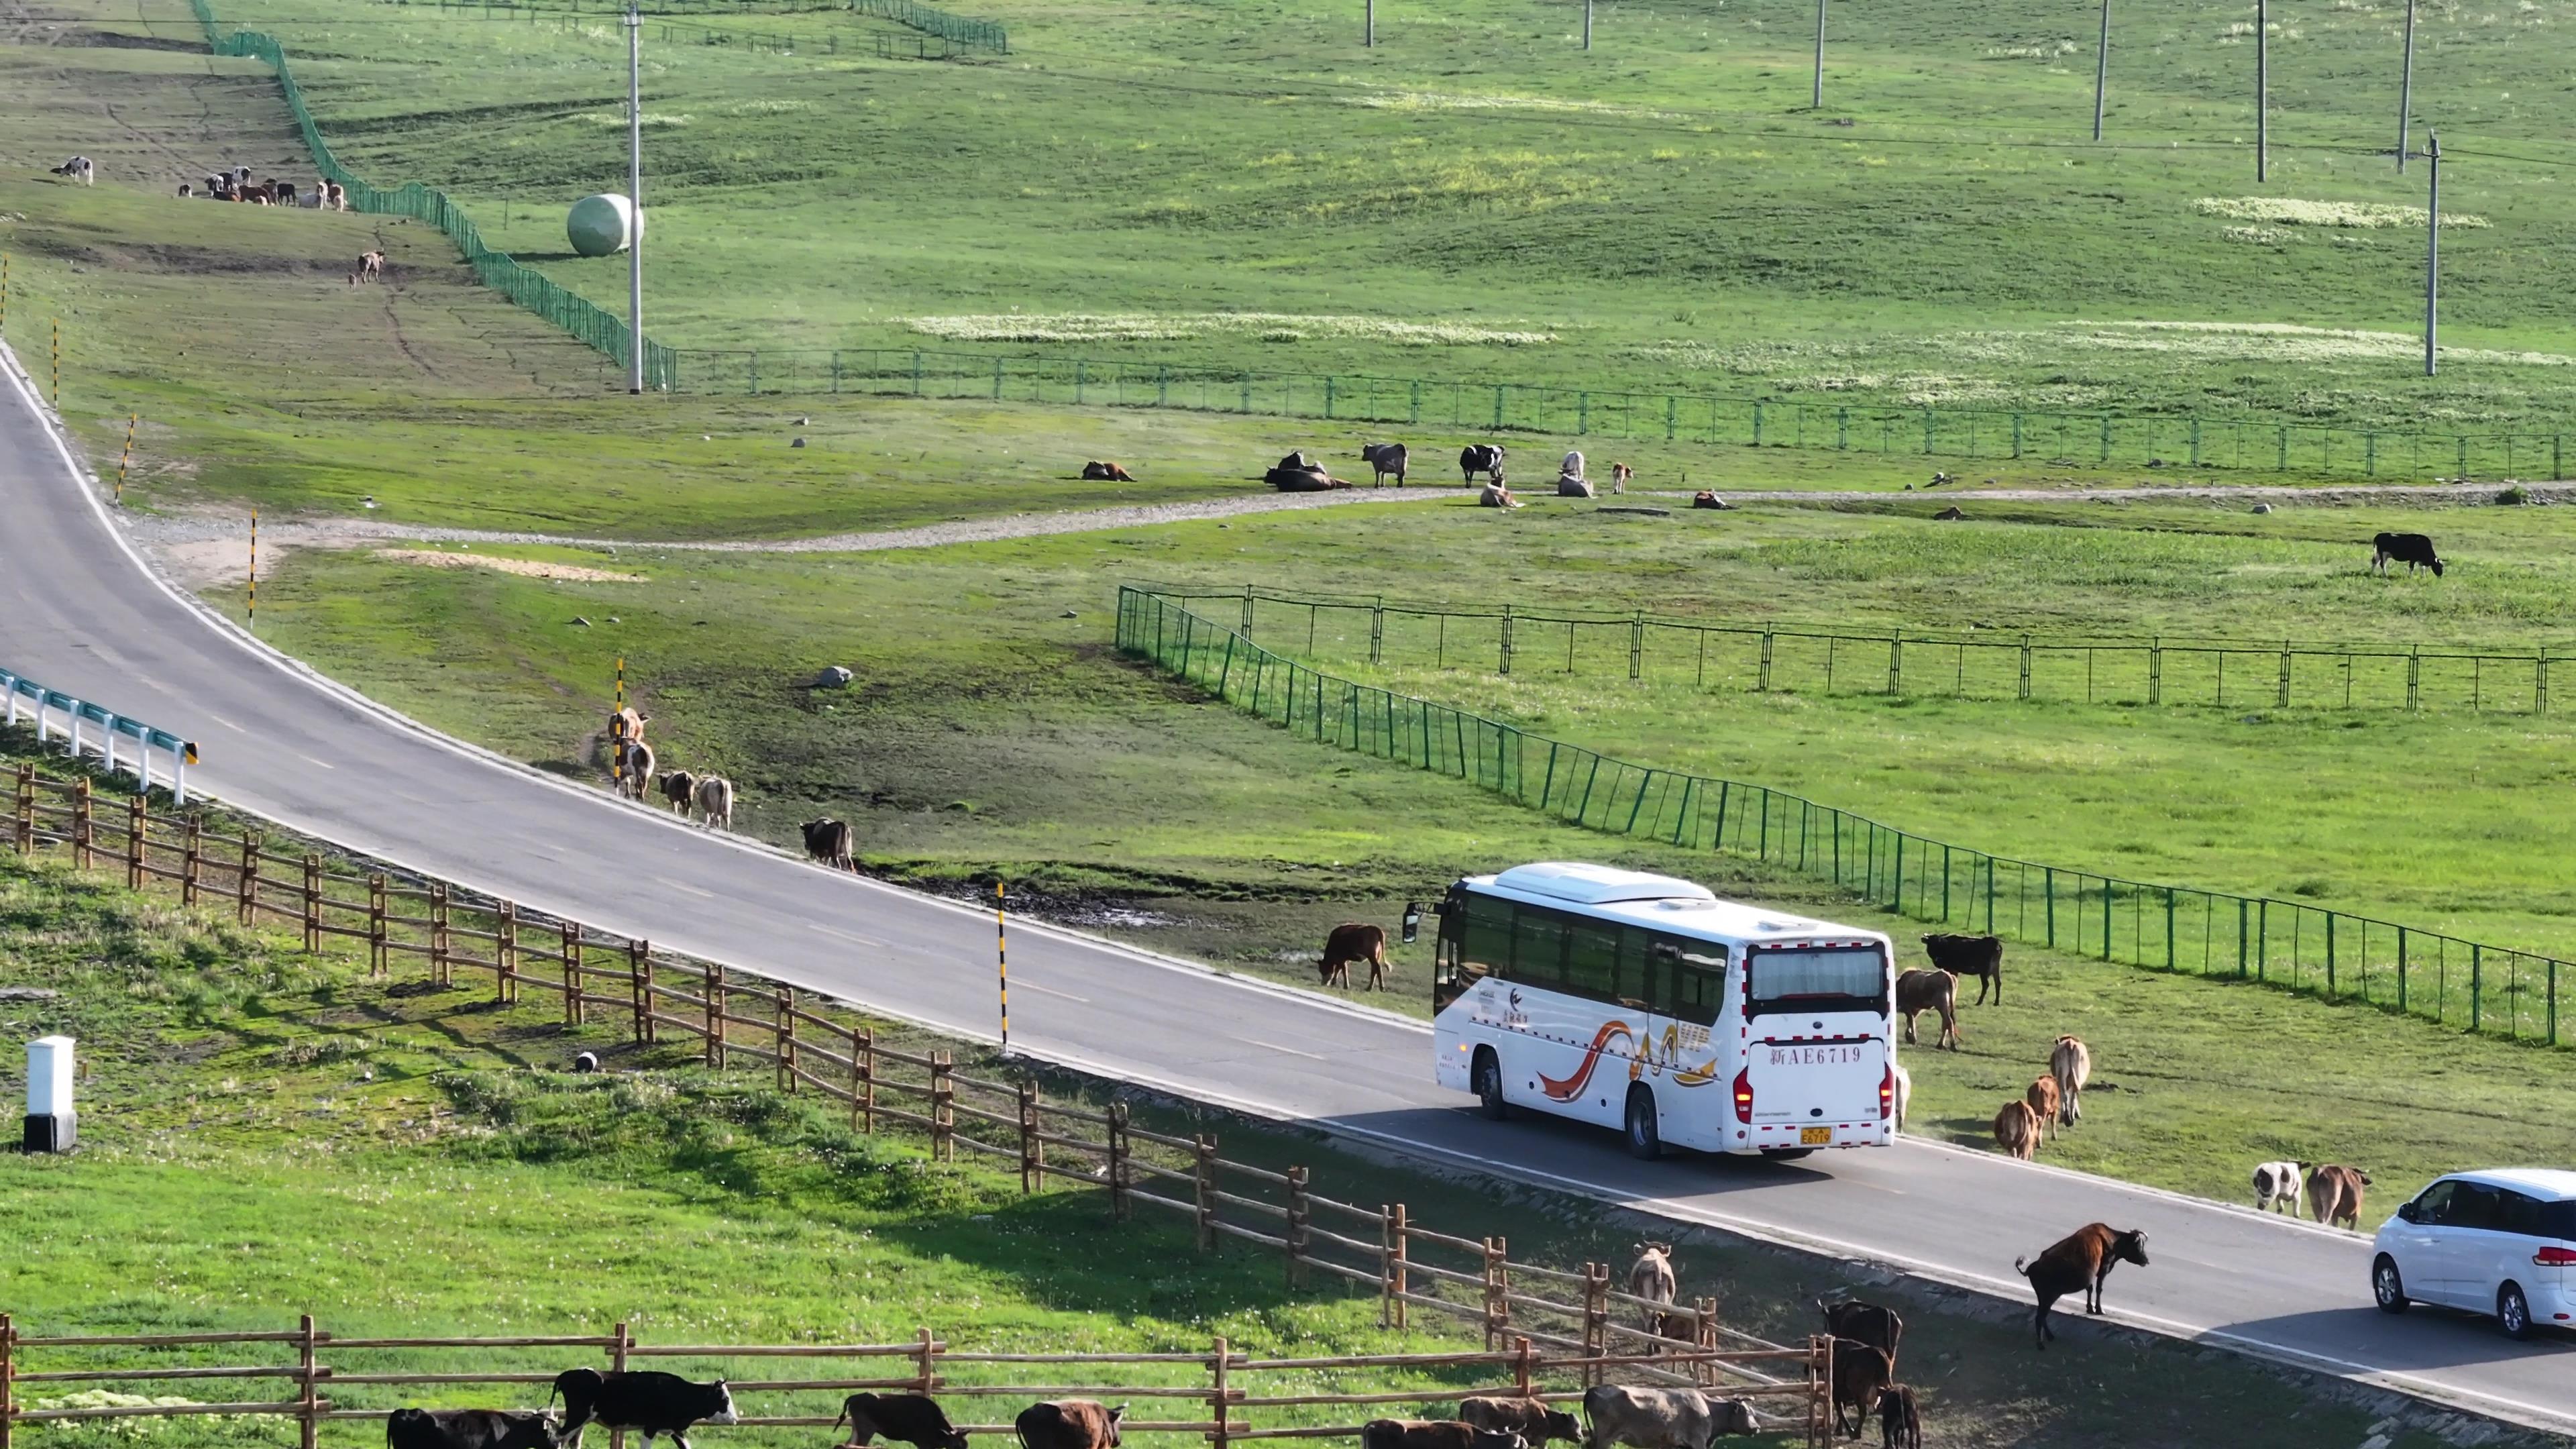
<point>2288,944</point>
<point>1221,1395</point>
<point>1533,1319</point>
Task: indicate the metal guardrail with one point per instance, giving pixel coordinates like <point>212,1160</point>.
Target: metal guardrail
<point>75,712</point>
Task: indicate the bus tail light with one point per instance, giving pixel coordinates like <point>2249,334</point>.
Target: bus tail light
<point>2554,1258</point>
<point>1887,1095</point>
<point>1744,1095</point>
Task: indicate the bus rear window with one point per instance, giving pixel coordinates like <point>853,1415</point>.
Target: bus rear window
<point>1806,979</point>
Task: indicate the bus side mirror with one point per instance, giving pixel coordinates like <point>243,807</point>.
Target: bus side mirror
<point>1412,921</point>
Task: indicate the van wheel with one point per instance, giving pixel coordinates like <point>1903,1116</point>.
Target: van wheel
<point>2513,1311</point>
<point>1487,1078</point>
<point>2388,1289</point>
<point>1645,1139</point>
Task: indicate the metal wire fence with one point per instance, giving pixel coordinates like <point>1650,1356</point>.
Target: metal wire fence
<point>2288,944</point>
<point>960,33</point>
<point>1477,408</point>
<point>1981,664</point>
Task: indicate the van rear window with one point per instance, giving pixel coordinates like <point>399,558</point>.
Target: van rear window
<point>1820,978</point>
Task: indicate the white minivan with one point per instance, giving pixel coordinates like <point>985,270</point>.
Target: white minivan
<point>2501,1241</point>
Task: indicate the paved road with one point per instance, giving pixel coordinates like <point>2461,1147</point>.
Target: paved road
<point>78,611</point>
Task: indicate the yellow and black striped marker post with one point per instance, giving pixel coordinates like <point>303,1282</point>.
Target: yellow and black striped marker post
<point>617,734</point>
<point>254,568</point>
<point>58,364</point>
<point>126,464</point>
<point>4,293</point>
<point>1002,956</point>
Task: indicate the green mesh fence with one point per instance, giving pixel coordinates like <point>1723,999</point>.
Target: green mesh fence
<point>2286,944</point>
<point>563,307</point>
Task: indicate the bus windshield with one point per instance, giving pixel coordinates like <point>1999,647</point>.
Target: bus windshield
<point>1815,978</point>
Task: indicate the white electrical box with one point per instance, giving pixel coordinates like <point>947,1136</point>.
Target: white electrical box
<point>51,1120</point>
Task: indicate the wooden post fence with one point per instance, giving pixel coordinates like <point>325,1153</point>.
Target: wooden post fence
<point>309,1384</point>
<point>378,952</point>
<point>1032,1151</point>
<point>8,1356</point>
<point>192,860</point>
<point>1119,1207</point>
<point>1596,1317</point>
<point>1391,1267</point>
<point>248,878</point>
<point>1203,1189</point>
<point>81,822</point>
<point>863,1079</point>
<point>575,1003</point>
<point>1498,1288</point>
<point>639,964</point>
<point>1522,1380</point>
<point>617,1364</point>
<point>783,1037</point>
<point>1219,1397</point>
<point>711,980</point>
<point>1292,1233</point>
<point>442,946</point>
<point>943,1107</point>
<point>312,901</point>
<point>927,1356</point>
<point>134,842</point>
<point>505,953</point>
<point>26,809</point>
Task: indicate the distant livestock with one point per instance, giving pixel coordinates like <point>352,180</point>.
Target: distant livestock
<point>2334,1194</point>
<point>1097,471</point>
<point>1533,1421</point>
<point>715,802</point>
<point>1384,458</point>
<point>899,1418</point>
<point>1495,495</point>
<point>1354,941</point>
<point>472,1429</point>
<point>2046,1104</point>
<point>1661,1418</point>
<point>1706,499</point>
<point>1621,475</point>
<point>1651,1276</point>
<point>679,790</point>
<point>80,169</point>
<point>634,768</point>
<point>1937,991</point>
<point>1296,474</point>
<point>2017,1130</point>
<point>2078,1262</point>
<point>1068,1424</point>
<point>646,1400</point>
<point>1433,1434</point>
<point>2071,1063</point>
<point>2411,549</point>
<point>828,841</point>
<point>1570,480</point>
<point>1978,956</point>
<point>1485,458</point>
<point>1951,514</point>
<point>2276,1186</point>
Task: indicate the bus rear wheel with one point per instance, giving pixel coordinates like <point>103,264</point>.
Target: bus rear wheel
<point>1645,1138</point>
<point>1488,1082</point>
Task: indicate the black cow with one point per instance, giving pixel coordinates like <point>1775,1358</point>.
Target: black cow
<point>902,1418</point>
<point>1069,1424</point>
<point>472,1429</point>
<point>2411,549</point>
<point>1868,1323</point>
<point>828,841</point>
<point>1485,458</point>
<point>1978,956</point>
<point>647,1399</point>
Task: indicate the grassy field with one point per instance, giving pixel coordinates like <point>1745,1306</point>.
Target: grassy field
<point>267,1133</point>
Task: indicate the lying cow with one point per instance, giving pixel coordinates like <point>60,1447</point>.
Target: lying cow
<point>1097,471</point>
<point>1534,1422</point>
<point>1068,1424</point>
<point>472,1429</point>
<point>1433,1434</point>
<point>2411,549</point>
<point>1357,941</point>
<point>902,1418</point>
<point>1485,458</point>
<point>1385,458</point>
<point>647,1400</point>
<point>1662,1418</point>
<point>828,841</point>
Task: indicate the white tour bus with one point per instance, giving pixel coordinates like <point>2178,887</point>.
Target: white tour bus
<point>1646,1003</point>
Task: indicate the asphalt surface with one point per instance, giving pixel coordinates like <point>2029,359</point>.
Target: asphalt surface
<point>80,612</point>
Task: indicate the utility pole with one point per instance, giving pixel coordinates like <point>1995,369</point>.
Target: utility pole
<point>2432,246</point>
<point>1587,24</point>
<point>1368,22</point>
<point>2406,88</point>
<point>1816,101</point>
<point>634,200</point>
<point>2101,69</point>
<point>2262,90</point>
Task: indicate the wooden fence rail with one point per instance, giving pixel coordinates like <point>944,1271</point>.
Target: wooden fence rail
<point>1801,1390</point>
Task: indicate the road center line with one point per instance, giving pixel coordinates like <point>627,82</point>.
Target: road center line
<point>1275,1047</point>
<point>1051,991</point>
<point>693,890</point>
<point>844,935</point>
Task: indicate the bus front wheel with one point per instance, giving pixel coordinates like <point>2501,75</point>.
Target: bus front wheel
<point>1488,1082</point>
<point>1645,1138</point>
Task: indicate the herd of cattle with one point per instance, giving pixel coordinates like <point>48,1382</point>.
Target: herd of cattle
<point>711,796</point>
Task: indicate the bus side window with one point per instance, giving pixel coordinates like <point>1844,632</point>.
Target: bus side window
<point>1485,938</point>
<point>1538,946</point>
<point>1592,961</point>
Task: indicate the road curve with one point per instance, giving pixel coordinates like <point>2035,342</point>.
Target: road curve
<point>79,611</point>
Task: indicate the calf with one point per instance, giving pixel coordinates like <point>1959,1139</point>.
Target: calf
<point>643,1399</point>
<point>1978,956</point>
<point>1900,1423</point>
<point>472,1429</point>
<point>2411,549</point>
<point>1534,1422</point>
<point>338,197</point>
<point>1357,941</point>
<point>1097,471</point>
<point>1620,476</point>
<point>1485,458</point>
<point>2017,1130</point>
<point>1069,1424</point>
<point>715,802</point>
<point>901,1418</point>
<point>678,788</point>
<point>1864,1322</point>
<point>2045,1103</point>
<point>1861,1374</point>
<point>2071,1063</point>
<point>2276,1186</point>
<point>1431,1434</point>
<point>828,841</point>
<point>1921,991</point>
<point>2077,1262</point>
<point>1386,458</point>
<point>2334,1194</point>
<point>1661,1418</point>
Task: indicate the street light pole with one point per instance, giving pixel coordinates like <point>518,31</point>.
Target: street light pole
<point>2101,69</point>
<point>2406,88</point>
<point>2262,90</point>
<point>2432,247</point>
<point>634,200</point>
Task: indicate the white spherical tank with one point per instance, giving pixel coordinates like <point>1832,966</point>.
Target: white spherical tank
<point>600,226</point>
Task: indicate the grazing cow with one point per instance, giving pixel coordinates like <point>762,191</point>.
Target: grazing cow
<point>1432,1434</point>
<point>2045,1103</point>
<point>1661,1418</point>
<point>1069,1424</point>
<point>1921,991</point>
<point>679,788</point>
<point>80,169</point>
<point>635,768</point>
<point>902,1419</point>
<point>715,802</point>
<point>2077,1262</point>
<point>1097,471</point>
<point>1904,1090</point>
<point>2276,1186</point>
<point>2017,1130</point>
<point>828,841</point>
<point>1865,1322</point>
<point>2411,549</point>
<point>1861,1374</point>
<point>645,1399</point>
<point>472,1429</point>
<point>2071,1063</point>
<point>1485,458</point>
<point>1900,1422</point>
<point>1355,941</point>
<point>1534,1422</point>
<point>1385,458</point>
<point>1495,495</point>
<point>1651,1276</point>
<point>1620,477</point>
<point>2334,1194</point>
<point>1978,956</point>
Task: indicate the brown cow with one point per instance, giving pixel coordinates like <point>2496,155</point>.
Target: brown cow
<point>2044,1101</point>
<point>1356,941</point>
<point>624,723</point>
<point>1620,475</point>
<point>1097,471</point>
<point>2334,1193</point>
<point>1069,1424</point>
<point>1535,1422</point>
<point>2080,1260</point>
<point>1651,1276</point>
<point>2017,1130</point>
<point>1432,1434</point>
<point>1861,1374</point>
<point>1921,991</point>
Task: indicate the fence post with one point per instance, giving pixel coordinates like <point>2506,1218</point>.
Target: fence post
<point>247,879</point>
<point>1117,1161</point>
<point>81,820</point>
<point>26,809</point>
<point>1219,1393</point>
<point>312,901</point>
<point>505,952</point>
<point>377,952</point>
<point>927,1355</point>
<point>191,860</point>
<point>574,1002</point>
<point>711,981</point>
<point>1896,663</point>
<point>1032,1174</point>
<point>1401,1279</point>
<point>1203,1190</point>
<point>2025,666</point>
<point>1764,683</point>
<point>639,965</point>
<point>1704,1334</point>
<point>1507,638</point>
<point>2285,674</point>
<point>1498,1287</point>
<point>1596,1319</point>
<point>134,842</point>
<point>617,1364</point>
<point>1377,630</point>
<point>782,1036</point>
<point>863,1078</point>
<point>309,1392</point>
<point>8,1375</point>
<point>1637,645</point>
<point>442,966</point>
<point>943,1107</point>
<point>2414,672</point>
<point>1523,1381</point>
<point>1293,1236</point>
<point>2156,670</point>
